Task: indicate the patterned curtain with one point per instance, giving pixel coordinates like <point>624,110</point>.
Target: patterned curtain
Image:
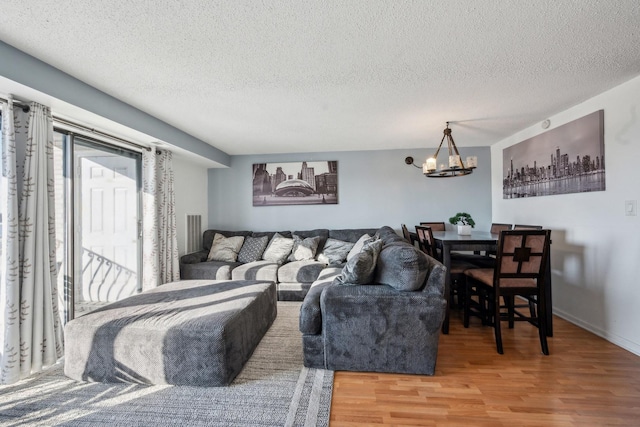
<point>159,243</point>
<point>32,333</point>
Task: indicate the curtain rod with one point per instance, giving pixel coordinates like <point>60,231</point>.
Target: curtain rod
<point>98,132</point>
<point>24,105</point>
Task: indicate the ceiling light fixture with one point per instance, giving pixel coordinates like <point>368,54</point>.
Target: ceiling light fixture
<point>456,166</point>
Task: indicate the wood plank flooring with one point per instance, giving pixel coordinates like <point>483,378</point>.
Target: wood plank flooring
<point>585,381</point>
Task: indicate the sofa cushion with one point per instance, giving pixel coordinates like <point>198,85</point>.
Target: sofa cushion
<point>360,269</point>
<point>214,270</point>
<point>351,234</point>
<point>322,233</point>
<point>208,235</point>
<point>225,248</point>
<point>310,313</point>
<point>335,251</point>
<point>257,270</point>
<point>305,271</point>
<point>252,249</point>
<point>278,249</point>
<point>388,235</point>
<point>304,249</point>
<point>402,267</point>
<point>357,247</point>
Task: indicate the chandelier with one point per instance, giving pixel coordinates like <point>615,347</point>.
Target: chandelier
<point>456,167</point>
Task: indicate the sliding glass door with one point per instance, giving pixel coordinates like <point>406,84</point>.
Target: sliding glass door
<point>101,224</point>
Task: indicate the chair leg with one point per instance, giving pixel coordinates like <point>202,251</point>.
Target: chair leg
<point>542,330</point>
<point>496,326</point>
<point>467,303</point>
<point>510,302</point>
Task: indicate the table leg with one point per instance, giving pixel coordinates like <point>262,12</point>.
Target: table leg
<point>547,297</point>
<point>446,260</point>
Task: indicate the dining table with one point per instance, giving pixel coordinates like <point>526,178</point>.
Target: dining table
<point>450,240</point>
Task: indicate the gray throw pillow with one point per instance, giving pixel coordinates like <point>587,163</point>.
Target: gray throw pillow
<point>335,251</point>
<point>402,267</point>
<point>225,248</point>
<point>252,249</point>
<point>304,249</point>
<point>357,247</point>
<point>278,250</point>
<point>360,269</point>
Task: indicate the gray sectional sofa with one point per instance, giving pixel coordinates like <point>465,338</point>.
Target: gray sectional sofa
<point>293,278</point>
<point>380,312</point>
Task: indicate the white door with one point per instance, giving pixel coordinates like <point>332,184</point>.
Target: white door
<point>107,210</point>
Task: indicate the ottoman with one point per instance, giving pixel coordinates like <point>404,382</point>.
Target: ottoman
<point>192,332</point>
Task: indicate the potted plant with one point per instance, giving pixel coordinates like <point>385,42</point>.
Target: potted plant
<point>464,222</point>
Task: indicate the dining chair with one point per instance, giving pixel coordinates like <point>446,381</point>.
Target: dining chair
<point>409,237</point>
<point>435,226</point>
<point>519,271</point>
<point>456,272</point>
<point>497,227</point>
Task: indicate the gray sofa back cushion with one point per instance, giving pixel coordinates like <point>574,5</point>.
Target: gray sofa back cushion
<point>208,235</point>
<point>402,266</point>
<point>388,235</point>
<point>352,234</point>
<point>270,234</point>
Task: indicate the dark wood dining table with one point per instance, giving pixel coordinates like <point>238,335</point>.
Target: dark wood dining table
<point>479,241</point>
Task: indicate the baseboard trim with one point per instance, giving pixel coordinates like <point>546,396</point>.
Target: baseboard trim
<point>612,338</point>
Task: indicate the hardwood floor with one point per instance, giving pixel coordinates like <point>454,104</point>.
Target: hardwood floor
<point>585,381</point>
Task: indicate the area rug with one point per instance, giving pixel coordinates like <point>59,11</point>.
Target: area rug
<point>273,389</point>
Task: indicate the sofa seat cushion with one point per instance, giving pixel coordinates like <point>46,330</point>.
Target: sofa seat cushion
<point>306,271</point>
<point>257,270</point>
<point>328,274</point>
<point>214,270</point>
<point>293,291</point>
<point>402,267</point>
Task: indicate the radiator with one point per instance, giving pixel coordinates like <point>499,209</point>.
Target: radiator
<point>194,233</point>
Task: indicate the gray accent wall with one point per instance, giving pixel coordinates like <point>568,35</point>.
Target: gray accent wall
<point>375,188</point>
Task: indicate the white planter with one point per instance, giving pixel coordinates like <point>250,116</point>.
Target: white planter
<point>464,230</point>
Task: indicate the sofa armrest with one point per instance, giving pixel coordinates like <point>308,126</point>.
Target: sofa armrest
<point>194,257</point>
<point>310,314</point>
<point>377,328</point>
<point>435,282</point>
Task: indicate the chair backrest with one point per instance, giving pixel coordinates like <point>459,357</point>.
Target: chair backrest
<point>405,233</point>
<point>527,227</point>
<point>496,228</point>
<point>425,237</point>
<point>435,226</point>
<point>522,254</point>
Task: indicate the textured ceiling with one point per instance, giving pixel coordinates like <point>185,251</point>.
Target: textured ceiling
<point>253,77</point>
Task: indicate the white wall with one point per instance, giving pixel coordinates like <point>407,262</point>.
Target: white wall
<point>375,188</point>
<point>596,248</point>
<point>190,184</point>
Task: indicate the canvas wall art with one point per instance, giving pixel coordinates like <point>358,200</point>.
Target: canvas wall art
<point>295,183</point>
<point>567,159</point>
